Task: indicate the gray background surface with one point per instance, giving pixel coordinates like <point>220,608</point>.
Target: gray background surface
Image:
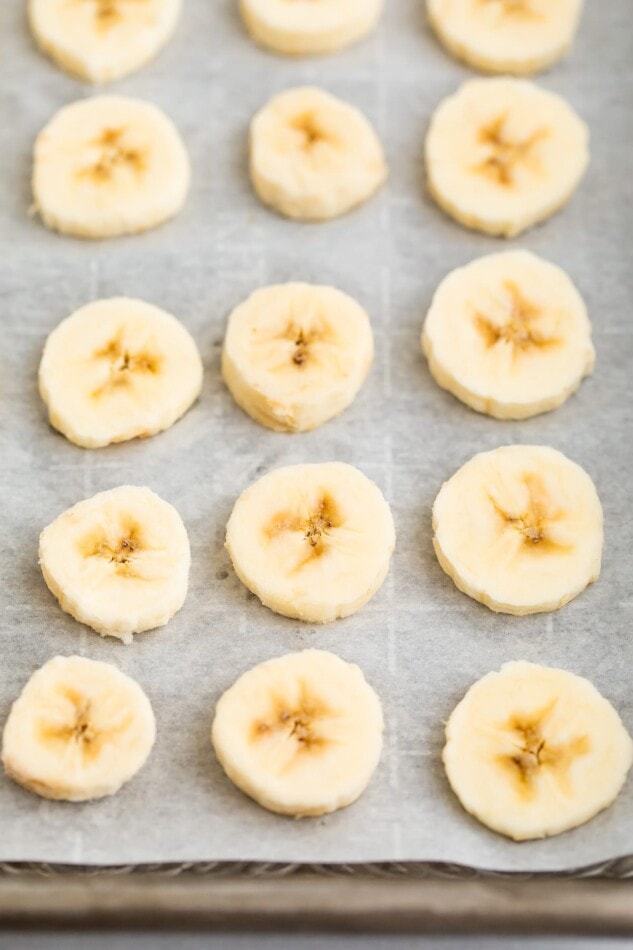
<point>420,642</point>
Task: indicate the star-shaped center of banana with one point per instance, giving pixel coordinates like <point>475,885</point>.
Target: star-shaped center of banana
<point>297,721</point>
<point>534,520</point>
<point>107,12</point>
<point>315,527</point>
<point>118,548</point>
<point>113,154</point>
<point>505,153</point>
<point>535,752</point>
<point>124,363</point>
<point>520,327</point>
<point>79,728</point>
<point>519,9</point>
<point>310,131</point>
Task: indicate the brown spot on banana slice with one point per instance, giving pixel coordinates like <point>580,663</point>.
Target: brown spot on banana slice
<point>109,12</point>
<point>119,549</point>
<point>520,328</point>
<point>535,520</point>
<point>79,729</point>
<point>299,722</point>
<point>114,154</point>
<point>535,753</point>
<point>517,9</point>
<point>124,363</point>
<point>505,154</point>
<point>315,528</point>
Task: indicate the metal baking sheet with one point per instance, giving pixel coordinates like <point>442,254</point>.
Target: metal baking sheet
<point>420,642</point>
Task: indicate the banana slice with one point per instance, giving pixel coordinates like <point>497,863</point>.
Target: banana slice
<point>502,155</point>
<point>509,335</point>
<point>313,542</point>
<point>519,529</point>
<point>108,166</point>
<point>308,27</point>
<point>118,562</point>
<point>506,36</point>
<point>102,40</point>
<point>118,369</point>
<point>301,734</point>
<point>296,355</point>
<point>533,751</point>
<point>314,157</point>
<point>79,730</point>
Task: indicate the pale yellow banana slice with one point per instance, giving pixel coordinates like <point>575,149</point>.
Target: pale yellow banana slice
<point>506,36</point>
<point>296,355</point>
<point>118,369</point>
<point>301,734</point>
<point>102,40</point>
<point>108,166</point>
<point>533,751</point>
<point>314,157</point>
<point>503,154</point>
<point>313,542</point>
<point>309,27</point>
<point>78,731</point>
<point>520,529</point>
<point>509,335</point>
<point>118,562</point>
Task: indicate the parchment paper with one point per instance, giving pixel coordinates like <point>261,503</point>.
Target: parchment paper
<point>420,642</point>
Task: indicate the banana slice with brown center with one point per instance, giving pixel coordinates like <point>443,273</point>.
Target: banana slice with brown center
<point>108,166</point>
<point>102,40</point>
<point>296,355</point>
<point>118,369</point>
<point>314,157</point>
<point>301,734</point>
<point>78,731</point>
<point>519,529</point>
<point>503,154</point>
<point>118,562</point>
<point>533,751</point>
<point>509,335</point>
<point>506,36</point>
<point>313,542</point>
<point>309,27</point>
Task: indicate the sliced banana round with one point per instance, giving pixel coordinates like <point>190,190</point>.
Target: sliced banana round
<point>118,562</point>
<point>313,542</point>
<point>503,154</point>
<point>102,40</point>
<point>314,157</point>
<point>509,335</point>
<point>118,369</point>
<point>533,751</point>
<point>519,529</point>
<point>296,355</point>
<point>78,731</point>
<point>309,27</point>
<point>506,36</point>
<point>108,166</point>
<point>301,734</point>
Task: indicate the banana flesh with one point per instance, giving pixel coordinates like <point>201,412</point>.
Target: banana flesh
<point>314,157</point>
<point>296,355</point>
<point>520,529</point>
<point>509,335</point>
<point>108,166</point>
<point>118,562</point>
<point>301,734</point>
<point>313,542</point>
<point>533,751</point>
<point>78,731</point>
<point>503,154</point>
